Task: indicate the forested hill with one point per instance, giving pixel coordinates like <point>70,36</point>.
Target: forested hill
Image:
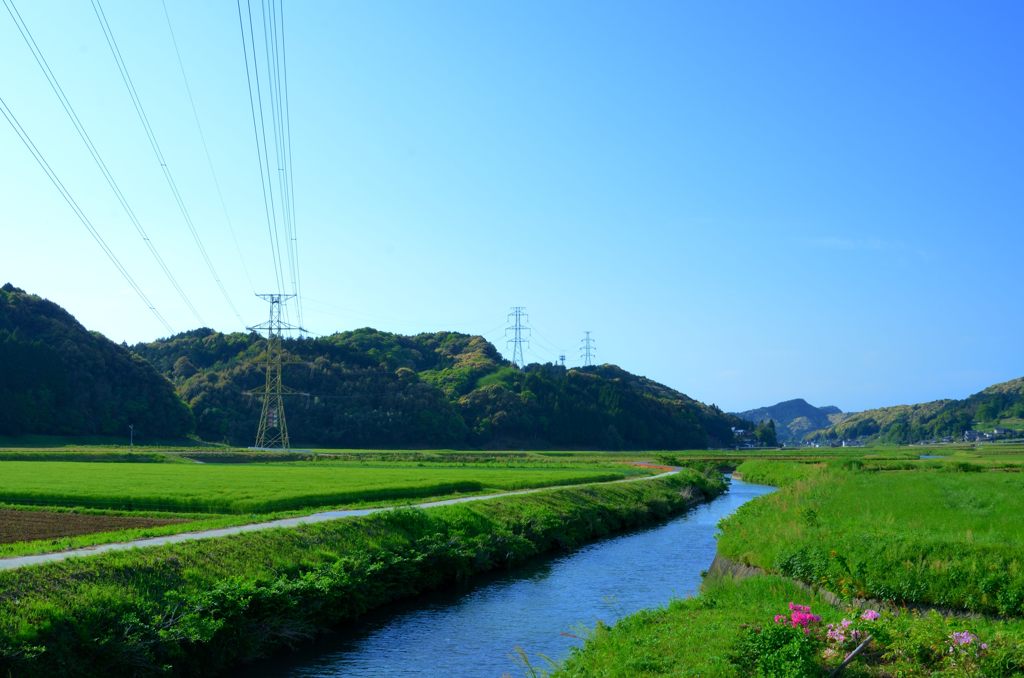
<point>367,388</point>
<point>996,407</point>
<point>795,418</point>
<point>60,379</point>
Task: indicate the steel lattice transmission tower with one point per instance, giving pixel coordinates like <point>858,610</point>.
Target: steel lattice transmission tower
<point>588,349</point>
<point>520,334</point>
<point>273,429</point>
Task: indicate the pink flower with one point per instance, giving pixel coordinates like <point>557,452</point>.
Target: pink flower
<point>870,615</point>
<point>963,638</point>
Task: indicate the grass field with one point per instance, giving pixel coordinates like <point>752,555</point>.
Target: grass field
<point>939,537</point>
<point>881,523</point>
<point>263,488</point>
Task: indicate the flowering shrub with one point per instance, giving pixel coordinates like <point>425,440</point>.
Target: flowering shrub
<point>964,650</point>
<point>788,647</point>
<point>843,638</point>
<point>800,644</point>
<point>800,616</point>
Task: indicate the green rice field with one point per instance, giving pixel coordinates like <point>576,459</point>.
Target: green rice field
<point>950,536</point>
<point>264,488</point>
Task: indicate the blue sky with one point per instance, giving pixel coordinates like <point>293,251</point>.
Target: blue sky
<point>749,202</point>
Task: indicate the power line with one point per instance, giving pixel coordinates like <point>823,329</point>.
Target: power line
<point>538,338</point>
<point>270,49</point>
<point>25,139</point>
<point>272,15</point>
<point>588,349</point>
<point>206,149</point>
<point>291,174</point>
<point>37,53</point>
<point>517,316</point>
<point>261,142</point>
<point>144,119</point>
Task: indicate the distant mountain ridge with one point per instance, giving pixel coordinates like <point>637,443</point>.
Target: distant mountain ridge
<point>362,388</point>
<point>994,408</point>
<point>795,418</point>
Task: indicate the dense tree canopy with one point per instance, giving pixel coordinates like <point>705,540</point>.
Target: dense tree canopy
<point>370,388</point>
<point>362,388</point>
<point>60,379</point>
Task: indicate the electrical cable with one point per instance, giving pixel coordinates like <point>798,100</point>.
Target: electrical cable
<point>144,119</point>
<point>30,145</point>
<point>261,143</point>
<point>37,53</point>
<point>206,148</point>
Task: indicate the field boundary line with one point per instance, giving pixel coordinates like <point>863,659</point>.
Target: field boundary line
<point>17,562</point>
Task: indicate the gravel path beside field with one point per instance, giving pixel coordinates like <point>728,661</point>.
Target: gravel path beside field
<point>320,517</point>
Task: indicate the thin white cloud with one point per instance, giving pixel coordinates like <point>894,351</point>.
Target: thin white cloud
<point>850,244</point>
<point>865,244</point>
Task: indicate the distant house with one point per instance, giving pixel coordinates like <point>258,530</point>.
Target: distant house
<point>976,436</point>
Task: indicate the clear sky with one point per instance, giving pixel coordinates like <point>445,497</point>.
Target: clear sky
<point>749,202</point>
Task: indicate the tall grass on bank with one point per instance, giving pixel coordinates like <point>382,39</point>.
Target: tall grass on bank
<point>947,539</point>
<point>777,473</point>
<point>201,607</point>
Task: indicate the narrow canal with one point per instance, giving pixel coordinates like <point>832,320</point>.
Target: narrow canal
<point>542,610</point>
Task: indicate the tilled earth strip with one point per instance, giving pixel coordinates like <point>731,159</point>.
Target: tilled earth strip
<point>18,526</point>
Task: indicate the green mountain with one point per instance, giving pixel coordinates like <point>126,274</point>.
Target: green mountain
<point>794,419</point>
<point>367,388</point>
<point>996,407</point>
<point>60,379</point>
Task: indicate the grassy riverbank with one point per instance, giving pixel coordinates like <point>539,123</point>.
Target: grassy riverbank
<point>717,634</point>
<point>201,607</point>
<point>929,533</point>
<point>943,538</point>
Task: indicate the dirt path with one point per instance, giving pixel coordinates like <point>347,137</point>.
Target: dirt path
<point>320,517</point>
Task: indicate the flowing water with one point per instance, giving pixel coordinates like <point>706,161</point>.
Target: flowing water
<point>543,609</point>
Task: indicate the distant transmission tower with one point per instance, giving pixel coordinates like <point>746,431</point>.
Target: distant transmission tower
<point>517,317</point>
<point>273,429</point>
<point>561,360</point>
<point>588,349</point>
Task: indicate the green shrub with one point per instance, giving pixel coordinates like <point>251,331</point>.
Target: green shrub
<point>776,651</point>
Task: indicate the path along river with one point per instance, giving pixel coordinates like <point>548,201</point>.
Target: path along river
<point>544,609</point>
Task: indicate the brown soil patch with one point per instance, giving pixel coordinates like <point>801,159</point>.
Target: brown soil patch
<point>28,525</point>
<point>647,464</point>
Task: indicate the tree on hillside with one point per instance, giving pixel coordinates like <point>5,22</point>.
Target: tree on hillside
<point>765,434</point>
